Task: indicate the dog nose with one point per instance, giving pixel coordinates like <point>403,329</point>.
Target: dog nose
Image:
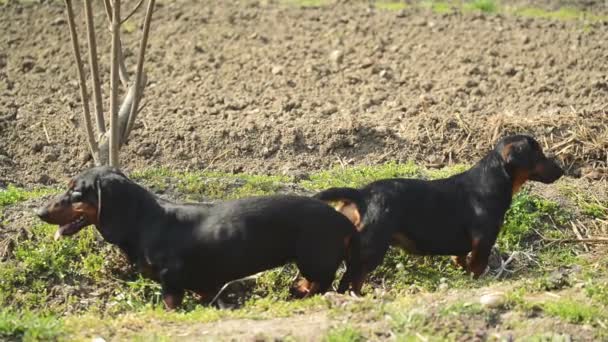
<point>42,213</point>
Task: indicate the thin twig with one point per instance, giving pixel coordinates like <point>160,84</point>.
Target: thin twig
<point>114,129</point>
<point>255,276</point>
<point>94,66</point>
<point>216,159</point>
<point>46,133</point>
<point>124,75</point>
<point>132,12</point>
<point>590,240</point>
<point>579,235</point>
<point>504,264</point>
<point>139,86</point>
<point>86,115</point>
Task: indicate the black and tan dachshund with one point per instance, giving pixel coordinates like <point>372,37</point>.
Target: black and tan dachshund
<point>451,216</point>
<point>200,247</point>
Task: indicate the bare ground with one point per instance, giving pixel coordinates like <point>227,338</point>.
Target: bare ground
<point>264,87</point>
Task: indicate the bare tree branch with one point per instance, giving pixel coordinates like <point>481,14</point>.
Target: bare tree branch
<point>124,75</point>
<point>94,66</point>
<point>81,81</point>
<point>132,12</point>
<point>139,86</point>
<point>123,118</point>
<point>114,129</point>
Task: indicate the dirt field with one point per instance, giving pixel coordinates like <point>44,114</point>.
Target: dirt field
<point>269,88</point>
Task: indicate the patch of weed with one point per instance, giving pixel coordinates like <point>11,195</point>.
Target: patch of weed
<point>269,307</point>
<point>598,291</point>
<point>276,283</point>
<point>561,14</point>
<point>344,334</point>
<point>462,308</point>
<point>12,194</point>
<point>28,326</point>
<point>199,186</point>
<point>359,175</point>
<point>27,278</point>
<point>438,6</point>
<point>129,26</point>
<point>486,6</point>
<point>390,5</point>
<point>399,271</point>
<point>306,3</point>
<point>527,215</point>
<point>572,311</point>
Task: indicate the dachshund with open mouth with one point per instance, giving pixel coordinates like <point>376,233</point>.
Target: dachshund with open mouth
<point>199,247</point>
<point>451,216</point>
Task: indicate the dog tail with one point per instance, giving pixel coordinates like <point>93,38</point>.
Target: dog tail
<point>351,195</point>
<point>354,267</point>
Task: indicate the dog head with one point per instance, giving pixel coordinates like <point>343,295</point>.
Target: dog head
<point>99,196</point>
<point>524,159</point>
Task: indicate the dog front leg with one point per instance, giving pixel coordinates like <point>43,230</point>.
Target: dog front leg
<point>479,256</point>
<point>172,290</point>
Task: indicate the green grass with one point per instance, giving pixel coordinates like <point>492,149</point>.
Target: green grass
<point>12,194</point>
<point>486,6</point>
<point>529,215</point>
<point>563,14</point>
<point>201,185</point>
<point>344,334</point>
<point>438,6</point>
<point>28,326</point>
<point>597,290</point>
<point>390,5</point>
<point>306,3</point>
<point>573,311</point>
<point>359,175</point>
<point>103,285</point>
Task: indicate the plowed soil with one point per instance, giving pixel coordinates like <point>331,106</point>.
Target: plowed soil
<point>273,88</point>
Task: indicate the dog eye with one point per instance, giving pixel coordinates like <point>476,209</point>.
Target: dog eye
<point>76,196</point>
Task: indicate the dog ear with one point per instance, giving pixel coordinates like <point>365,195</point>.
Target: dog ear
<point>517,154</point>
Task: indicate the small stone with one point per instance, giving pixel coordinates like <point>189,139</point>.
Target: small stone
<point>492,300</point>
<point>58,21</point>
<point>5,160</point>
<point>470,83</point>
<point>427,86</point>
<point>277,70</point>
<point>27,65</point>
<point>385,74</point>
<point>510,70</point>
<point>336,56</point>
<point>51,157</point>
<point>328,110</point>
<point>98,339</point>
<point>45,180</point>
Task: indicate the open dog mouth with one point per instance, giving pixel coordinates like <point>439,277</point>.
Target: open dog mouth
<point>71,228</point>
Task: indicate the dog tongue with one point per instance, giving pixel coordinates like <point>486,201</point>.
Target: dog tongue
<point>68,229</point>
